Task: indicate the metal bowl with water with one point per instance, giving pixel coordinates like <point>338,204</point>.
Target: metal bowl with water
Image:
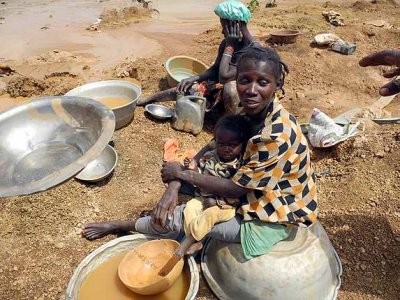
<point>101,167</point>
<point>160,112</point>
<point>48,140</point>
<point>112,89</point>
<point>181,67</point>
<point>116,247</point>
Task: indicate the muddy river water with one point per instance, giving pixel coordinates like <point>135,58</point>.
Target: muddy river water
<point>33,27</point>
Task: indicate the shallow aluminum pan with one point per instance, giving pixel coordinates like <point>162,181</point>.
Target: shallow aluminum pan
<point>160,112</point>
<point>47,140</point>
<point>101,167</point>
<point>114,247</point>
<point>304,266</point>
<point>112,88</point>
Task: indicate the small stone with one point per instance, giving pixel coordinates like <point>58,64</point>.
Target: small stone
<point>387,149</point>
<point>363,156</point>
<point>363,267</point>
<point>96,210</point>
<point>300,95</point>
<point>362,250</point>
<point>380,154</point>
<point>60,245</point>
<point>15,268</point>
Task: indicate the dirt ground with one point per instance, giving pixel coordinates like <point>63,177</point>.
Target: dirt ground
<point>359,200</point>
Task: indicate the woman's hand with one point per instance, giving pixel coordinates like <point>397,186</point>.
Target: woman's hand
<point>170,171</point>
<point>232,33</point>
<point>386,58</point>
<point>186,84</point>
<point>165,207</point>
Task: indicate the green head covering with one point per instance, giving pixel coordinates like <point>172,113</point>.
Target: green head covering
<point>233,10</point>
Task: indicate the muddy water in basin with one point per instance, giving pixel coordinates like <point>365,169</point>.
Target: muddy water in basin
<point>104,284</point>
<point>113,102</point>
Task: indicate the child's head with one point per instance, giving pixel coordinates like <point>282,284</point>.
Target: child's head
<point>231,134</point>
<point>260,72</point>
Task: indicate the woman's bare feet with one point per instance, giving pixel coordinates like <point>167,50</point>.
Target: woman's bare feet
<point>93,231</point>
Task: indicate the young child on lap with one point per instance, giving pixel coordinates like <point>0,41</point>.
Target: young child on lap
<point>205,210</point>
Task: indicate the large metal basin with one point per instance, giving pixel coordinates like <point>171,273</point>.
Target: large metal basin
<point>182,67</point>
<point>48,140</point>
<point>305,266</point>
<point>112,89</point>
<point>119,245</point>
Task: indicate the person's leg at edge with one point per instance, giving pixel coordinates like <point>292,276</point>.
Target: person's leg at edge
<point>162,96</point>
<point>189,245</point>
<point>94,231</point>
<point>173,230</point>
<point>228,231</point>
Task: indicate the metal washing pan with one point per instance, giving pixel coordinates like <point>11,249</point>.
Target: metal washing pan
<point>304,266</point>
<point>48,140</point>
<point>119,245</point>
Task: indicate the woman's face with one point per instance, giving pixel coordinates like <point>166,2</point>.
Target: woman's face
<point>256,85</point>
<point>224,23</point>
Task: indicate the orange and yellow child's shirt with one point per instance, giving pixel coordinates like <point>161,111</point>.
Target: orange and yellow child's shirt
<point>276,167</point>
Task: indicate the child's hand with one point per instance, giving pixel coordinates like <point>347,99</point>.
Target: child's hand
<point>189,164</point>
<point>209,202</point>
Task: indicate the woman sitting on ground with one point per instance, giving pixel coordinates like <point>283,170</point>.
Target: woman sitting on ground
<point>275,183</point>
<point>218,82</point>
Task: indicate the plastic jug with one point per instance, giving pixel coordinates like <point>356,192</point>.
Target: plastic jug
<point>189,113</point>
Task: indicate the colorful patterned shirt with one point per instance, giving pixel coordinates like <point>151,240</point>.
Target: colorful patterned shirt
<point>210,164</point>
<point>276,168</point>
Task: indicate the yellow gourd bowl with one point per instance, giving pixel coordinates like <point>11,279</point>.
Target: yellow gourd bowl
<point>139,268</point>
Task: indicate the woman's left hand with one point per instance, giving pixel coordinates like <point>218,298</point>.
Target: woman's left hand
<point>170,171</point>
<point>232,33</point>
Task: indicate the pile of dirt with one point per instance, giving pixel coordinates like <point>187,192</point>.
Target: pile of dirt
<point>54,84</point>
<point>150,72</point>
<point>26,87</point>
<point>61,83</point>
<point>362,5</point>
<point>114,18</point>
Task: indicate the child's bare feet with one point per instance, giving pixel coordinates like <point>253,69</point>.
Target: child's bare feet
<point>188,247</point>
<point>194,248</point>
<point>93,231</point>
